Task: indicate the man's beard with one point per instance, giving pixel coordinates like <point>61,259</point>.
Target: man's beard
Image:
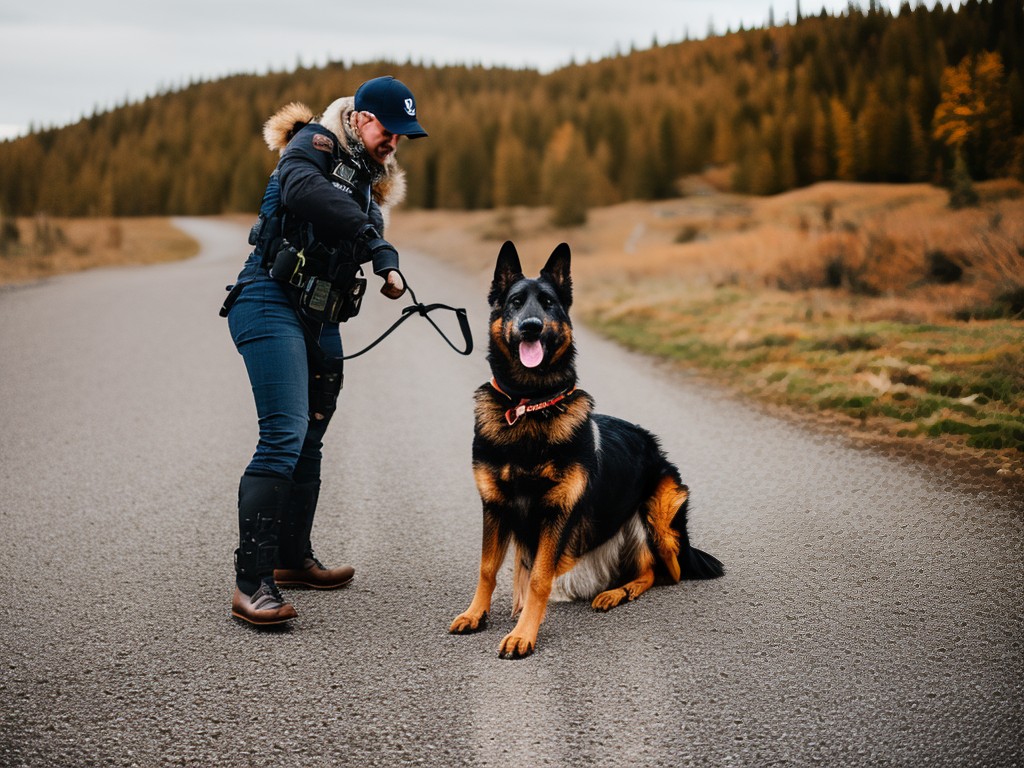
<point>362,155</point>
<point>370,163</point>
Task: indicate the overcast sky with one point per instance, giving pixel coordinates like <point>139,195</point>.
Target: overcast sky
<point>61,60</point>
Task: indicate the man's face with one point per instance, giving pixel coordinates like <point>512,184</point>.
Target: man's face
<point>378,140</point>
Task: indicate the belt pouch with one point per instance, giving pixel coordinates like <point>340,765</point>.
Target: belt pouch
<point>287,264</point>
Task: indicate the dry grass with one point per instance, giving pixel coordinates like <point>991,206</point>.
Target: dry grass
<point>880,243</point>
<point>49,246</point>
<point>874,307</point>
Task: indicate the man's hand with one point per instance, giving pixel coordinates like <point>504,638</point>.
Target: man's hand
<point>393,286</point>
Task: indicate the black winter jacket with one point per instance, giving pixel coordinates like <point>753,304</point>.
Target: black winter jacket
<point>327,188</point>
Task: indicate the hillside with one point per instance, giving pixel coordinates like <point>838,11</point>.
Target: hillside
<point>871,309</point>
<point>859,96</point>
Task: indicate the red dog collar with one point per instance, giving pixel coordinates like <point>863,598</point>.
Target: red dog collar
<point>526,405</point>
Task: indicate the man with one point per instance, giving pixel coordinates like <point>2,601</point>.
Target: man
<point>321,220</point>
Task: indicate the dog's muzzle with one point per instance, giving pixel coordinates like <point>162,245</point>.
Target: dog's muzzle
<point>530,328</point>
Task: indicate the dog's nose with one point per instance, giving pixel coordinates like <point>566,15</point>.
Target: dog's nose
<point>531,327</point>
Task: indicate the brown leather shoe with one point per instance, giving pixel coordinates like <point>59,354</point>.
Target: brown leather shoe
<point>264,608</point>
<point>314,574</point>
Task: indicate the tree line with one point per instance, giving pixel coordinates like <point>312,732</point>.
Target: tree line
<point>865,95</point>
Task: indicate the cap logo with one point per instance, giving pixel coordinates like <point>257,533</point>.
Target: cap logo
<point>410,108</point>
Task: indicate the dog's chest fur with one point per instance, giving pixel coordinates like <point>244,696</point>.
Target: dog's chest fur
<point>534,468</point>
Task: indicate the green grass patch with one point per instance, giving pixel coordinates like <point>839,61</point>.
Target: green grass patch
<point>987,435</point>
<point>964,382</point>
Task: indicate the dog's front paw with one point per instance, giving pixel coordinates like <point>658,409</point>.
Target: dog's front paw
<point>608,600</point>
<point>515,647</point>
<point>467,622</point>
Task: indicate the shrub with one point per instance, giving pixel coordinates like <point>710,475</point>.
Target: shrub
<point>945,269</point>
<point>688,234</point>
<point>9,235</point>
<point>999,266</point>
<point>48,236</point>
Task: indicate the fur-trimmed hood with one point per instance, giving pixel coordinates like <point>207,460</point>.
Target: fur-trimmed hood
<point>388,188</point>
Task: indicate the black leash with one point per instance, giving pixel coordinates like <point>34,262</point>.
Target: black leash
<point>331,363</point>
<point>424,310</point>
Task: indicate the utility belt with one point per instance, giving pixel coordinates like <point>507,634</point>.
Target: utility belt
<point>323,294</point>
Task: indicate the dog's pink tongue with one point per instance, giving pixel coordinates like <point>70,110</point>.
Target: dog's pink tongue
<point>531,353</point>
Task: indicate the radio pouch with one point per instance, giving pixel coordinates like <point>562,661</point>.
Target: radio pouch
<point>327,303</point>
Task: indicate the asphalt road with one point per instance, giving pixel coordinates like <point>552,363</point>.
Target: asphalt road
<point>871,613</point>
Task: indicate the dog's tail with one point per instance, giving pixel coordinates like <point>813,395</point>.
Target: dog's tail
<point>666,523</point>
<point>697,564</point>
<point>693,563</point>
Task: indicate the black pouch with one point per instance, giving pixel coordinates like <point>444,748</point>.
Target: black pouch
<point>352,299</point>
<point>319,300</point>
<point>327,302</point>
<point>288,265</point>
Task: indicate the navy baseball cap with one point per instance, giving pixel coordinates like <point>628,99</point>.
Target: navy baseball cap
<point>392,103</point>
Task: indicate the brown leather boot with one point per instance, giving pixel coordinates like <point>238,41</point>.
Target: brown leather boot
<point>264,608</point>
<point>314,574</point>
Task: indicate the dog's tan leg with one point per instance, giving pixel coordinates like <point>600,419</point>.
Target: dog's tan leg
<point>521,641</point>
<point>548,563</point>
<point>662,507</point>
<point>520,582</point>
<point>491,558</point>
<point>631,591</point>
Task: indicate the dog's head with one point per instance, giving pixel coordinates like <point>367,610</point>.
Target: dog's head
<point>531,341</point>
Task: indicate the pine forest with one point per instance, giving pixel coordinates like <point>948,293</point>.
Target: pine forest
<point>867,95</point>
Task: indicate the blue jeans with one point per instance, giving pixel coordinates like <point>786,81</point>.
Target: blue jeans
<point>267,334</point>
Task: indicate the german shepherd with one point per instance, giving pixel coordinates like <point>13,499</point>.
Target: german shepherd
<point>594,507</point>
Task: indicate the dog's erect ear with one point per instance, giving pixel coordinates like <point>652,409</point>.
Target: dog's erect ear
<point>506,271</point>
<point>557,271</point>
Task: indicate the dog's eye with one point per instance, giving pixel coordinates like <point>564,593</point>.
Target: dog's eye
<point>546,301</point>
<point>516,302</point>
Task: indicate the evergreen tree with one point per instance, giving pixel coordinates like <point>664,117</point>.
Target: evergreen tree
<point>566,177</point>
<point>515,174</point>
<point>819,160</point>
<point>862,96</point>
<point>874,134</point>
<point>974,116</point>
<point>845,140</point>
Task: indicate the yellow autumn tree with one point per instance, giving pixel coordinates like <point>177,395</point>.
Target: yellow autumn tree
<point>974,114</point>
<point>960,108</point>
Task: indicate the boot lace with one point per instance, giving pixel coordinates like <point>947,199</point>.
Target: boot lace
<point>319,565</point>
<point>267,596</point>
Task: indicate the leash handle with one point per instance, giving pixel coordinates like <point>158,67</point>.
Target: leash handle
<point>463,318</point>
